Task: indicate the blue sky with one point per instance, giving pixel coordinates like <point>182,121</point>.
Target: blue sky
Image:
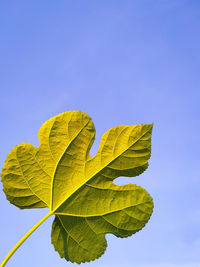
<point>122,62</point>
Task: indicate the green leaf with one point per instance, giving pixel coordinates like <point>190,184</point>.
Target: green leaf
<point>78,188</point>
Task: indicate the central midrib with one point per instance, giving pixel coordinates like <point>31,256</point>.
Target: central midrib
<point>52,182</point>
<point>97,171</point>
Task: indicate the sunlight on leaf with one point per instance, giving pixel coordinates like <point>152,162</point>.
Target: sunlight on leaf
<point>77,188</point>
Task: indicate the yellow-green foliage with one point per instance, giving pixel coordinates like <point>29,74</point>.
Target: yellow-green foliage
<point>78,188</point>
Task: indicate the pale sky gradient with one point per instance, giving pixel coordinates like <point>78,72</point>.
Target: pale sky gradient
<point>122,62</point>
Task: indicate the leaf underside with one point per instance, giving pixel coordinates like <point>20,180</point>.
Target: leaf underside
<point>78,188</point>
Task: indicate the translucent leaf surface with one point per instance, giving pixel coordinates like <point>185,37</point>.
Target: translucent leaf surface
<point>78,188</point>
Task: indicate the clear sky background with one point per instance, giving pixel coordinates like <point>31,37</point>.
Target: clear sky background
<point>122,62</point>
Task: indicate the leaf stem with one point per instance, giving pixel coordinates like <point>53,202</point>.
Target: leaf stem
<point>24,238</point>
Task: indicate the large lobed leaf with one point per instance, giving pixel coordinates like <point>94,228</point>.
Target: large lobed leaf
<point>79,189</point>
